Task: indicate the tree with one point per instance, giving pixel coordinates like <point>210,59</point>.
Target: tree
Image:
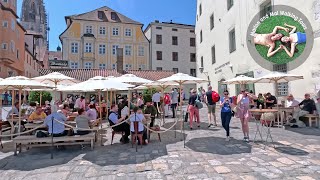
<point>147,94</point>
<point>35,96</point>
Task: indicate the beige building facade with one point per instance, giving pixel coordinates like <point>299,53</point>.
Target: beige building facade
<point>91,41</point>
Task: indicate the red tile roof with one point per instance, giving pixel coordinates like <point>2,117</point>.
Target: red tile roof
<point>85,74</point>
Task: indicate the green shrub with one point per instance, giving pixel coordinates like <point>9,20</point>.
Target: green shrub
<point>147,94</point>
<point>35,96</point>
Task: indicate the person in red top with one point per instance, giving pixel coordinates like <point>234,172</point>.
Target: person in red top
<point>166,100</point>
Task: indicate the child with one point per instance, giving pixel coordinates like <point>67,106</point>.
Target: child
<point>138,116</point>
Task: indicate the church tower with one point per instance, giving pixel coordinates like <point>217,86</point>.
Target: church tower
<point>34,18</point>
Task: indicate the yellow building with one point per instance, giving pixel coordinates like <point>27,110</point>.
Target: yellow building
<point>91,41</point>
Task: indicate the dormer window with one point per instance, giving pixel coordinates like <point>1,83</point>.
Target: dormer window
<point>113,16</point>
<point>100,14</point>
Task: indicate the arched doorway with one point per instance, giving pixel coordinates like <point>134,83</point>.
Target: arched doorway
<point>222,87</point>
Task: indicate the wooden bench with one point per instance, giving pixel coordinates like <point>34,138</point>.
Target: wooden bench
<point>32,141</point>
<point>312,118</point>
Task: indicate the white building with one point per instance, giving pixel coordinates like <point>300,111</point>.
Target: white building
<point>172,48</point>
<point>221,31</point>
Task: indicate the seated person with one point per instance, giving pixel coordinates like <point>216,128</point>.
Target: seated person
<point>150,109</point>
<point>47,109</point>
<point>32,107</point>
<point>14,110</point>
<point>271,101</point>
<point>307,106</point>
<point>291,102</point>
<point>125,110</point>
<point>65,109</point>
<point>58,129</point>
<point>83,122</point>
<point>114,120</point>
<point>138,116</point>
<point>92,112</point>
<point>37,115</point>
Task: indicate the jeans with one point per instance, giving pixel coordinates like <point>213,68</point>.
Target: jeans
<point>225,119</point>
<point>174,107</point>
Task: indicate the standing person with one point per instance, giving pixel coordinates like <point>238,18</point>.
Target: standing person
<point>140,102</point>
<point>156,101</point>
<point>150,109</point>
<point>166,100</point>
<point>6,98</point>
<point>243,103</point>
<point>174,102</point>
<point>193,110</point>
<point>226,112</point>
<point>138,116</point>
<point>211,107</point>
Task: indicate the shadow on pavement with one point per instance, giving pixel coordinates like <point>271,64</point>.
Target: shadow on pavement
<point>287,149</point>
<point>218,145</point>
<point>305,131</point>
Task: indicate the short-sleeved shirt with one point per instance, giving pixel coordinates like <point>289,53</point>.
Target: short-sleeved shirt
<point>92,114</point>
<point>82,122</point>
<point>271,98</point>
<point>113,117</point>
<point>137,118</point>
<point>35,116</point>
<point>226,107</point>
<point>58,128</point>
<point>209,98</point>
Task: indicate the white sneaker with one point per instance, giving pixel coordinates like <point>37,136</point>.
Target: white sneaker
<point>228,138</point>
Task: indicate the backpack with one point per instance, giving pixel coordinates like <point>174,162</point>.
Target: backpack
<point>215,97</point>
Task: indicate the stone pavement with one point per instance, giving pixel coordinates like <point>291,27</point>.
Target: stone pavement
<point>206,155</point>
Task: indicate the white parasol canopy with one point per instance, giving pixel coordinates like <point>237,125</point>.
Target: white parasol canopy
<point>20,83</point>
<point>278,77</point>
<point>97,83</point>
<point>181,78</point>
<point>56,78</point>
<point>131,78</point>
<point>241,79</point>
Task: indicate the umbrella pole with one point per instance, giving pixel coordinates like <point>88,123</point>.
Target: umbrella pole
<point>277,105</point>
<point>1,104</point>
<point>181,113</point>
<point>40,98</point>
<point>100,111</point>
<point>13,99</point>
<point>111,98</point>
<point>20,91</point>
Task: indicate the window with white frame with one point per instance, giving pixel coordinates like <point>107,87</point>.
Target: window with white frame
<point>12,46</point>
<point>13,24</point>
<point>282,88</point>
<point>74,65</point>
<point>102,49</point>
<point>114,49</point>
<point>88,29</point>
<point>128,32</point>
<point>4,46</point>
<point>102,66</point>
<point>102,30</point>
<point>5,24</point>
<point>88,65</point>
<point>128,66</point>
<point>74,47</point>
<point>115,31</point>
<point>114,66</point>
<point>141,51</point>
<point>88,47</point>
<point>128,50</point>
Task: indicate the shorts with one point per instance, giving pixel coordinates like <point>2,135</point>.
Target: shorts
<point>211,109</point>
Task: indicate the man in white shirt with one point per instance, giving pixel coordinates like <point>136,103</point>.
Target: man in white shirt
<point>156,101</point>
<point>291,102</point>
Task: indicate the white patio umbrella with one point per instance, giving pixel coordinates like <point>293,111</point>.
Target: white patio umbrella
<point>20,83</point>
<point>241,79</point>
<point>56,78</point>
<point>278,77</point>
<point>181,79</point>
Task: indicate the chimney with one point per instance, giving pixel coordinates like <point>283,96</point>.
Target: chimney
<point>120,60</point>
<point>156,21</point>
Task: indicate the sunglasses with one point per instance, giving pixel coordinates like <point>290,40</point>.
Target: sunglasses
<point>226,94</point>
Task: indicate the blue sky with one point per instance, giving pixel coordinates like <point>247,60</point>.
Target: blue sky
<point>144,11</point>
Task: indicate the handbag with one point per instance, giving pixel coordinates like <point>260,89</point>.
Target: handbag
<point>186,117</point>
<point>198,104</point>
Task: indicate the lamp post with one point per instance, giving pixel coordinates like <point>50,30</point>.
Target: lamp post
<point>205,73</point>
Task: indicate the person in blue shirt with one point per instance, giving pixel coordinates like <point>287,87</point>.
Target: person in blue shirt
<point>226,112</point>
<point>114,120</point>
<point>58,129</point>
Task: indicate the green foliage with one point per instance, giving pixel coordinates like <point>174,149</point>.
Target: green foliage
<point>147,94</point>
<point>267,26</point>
<point>35,96</point>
